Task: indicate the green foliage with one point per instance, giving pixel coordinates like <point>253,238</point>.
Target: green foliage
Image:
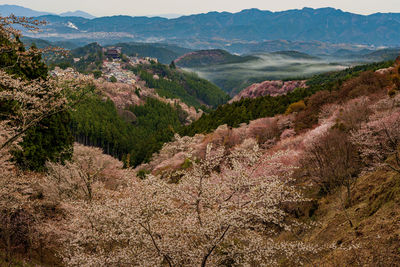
<point>330,81</point>
<point>97,74</point>
<point>113,79</point>
<point>51,140</point>
<point>296,107</point>
<point>11,63</point>
<point>91,59</point>
<point>246,110</point>
<point>156,124</point>
<point>142,174</point>
<point>165,53</point>
<point>97,123</point>
<point>187,164</point>
<point>137,92</point>
<point>172,83</point>
<point>211,57</point>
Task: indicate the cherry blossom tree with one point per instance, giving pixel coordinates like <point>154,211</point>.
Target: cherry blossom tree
<point>332,161</point>
<point>379,140</point>
<point>32,100</point>
<point>27,103</point>
<point>77,179</point>
<point>226,208</point>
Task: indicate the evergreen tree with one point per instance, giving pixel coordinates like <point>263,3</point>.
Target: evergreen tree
<point>97,123</point>
<point>51,138</point>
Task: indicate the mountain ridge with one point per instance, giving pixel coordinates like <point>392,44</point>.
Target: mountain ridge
<point>77,13</point>
<point>6,10</point>
<point>211,56</point>
<point>251,25</point>
<point>17,10</point>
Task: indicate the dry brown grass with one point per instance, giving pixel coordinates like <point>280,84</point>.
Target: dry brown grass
<point>375,215</point>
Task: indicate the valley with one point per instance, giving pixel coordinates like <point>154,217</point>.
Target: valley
<point>251,138</point>
<point>130,81</point>
<point>235,74</point>
<point>234,77</point>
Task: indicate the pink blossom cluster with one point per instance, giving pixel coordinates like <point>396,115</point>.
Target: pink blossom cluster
<point>272,88</point>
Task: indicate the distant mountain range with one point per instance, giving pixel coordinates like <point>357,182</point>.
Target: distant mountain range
<point>230,29</point>
<point>311,31</point>
<point>6,10</point>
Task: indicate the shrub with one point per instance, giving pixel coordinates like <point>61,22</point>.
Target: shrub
<point>392,92</point>
<point>367,83</point>
<point>142,174</point>
<point>186,164</point>
<point>113,79</point>
<point>97,74</point>
<point>264,130</point>
<point>296,107</point>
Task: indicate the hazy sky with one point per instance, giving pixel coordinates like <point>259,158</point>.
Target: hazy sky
<point>151,7</point>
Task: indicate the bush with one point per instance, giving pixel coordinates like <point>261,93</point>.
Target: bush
<point>97,74</point>
<point>113,79</point>
<point>143,173</point>
<point>392,92</point>
<point>186,164</point>
<point>296,107</point>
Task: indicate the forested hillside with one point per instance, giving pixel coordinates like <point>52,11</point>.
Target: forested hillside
<point>40,43</point>
<point>173,83</point>
<point>135,130</point>
<point>90,53</point>
<point>90,56</point>
<point>51,139</point>
<point>246,110</point>
<point>165,53</point>
<point>97,123</point>
<point>132,133</point>
<point>314,181</point>
<point>167,80</point>
<point>210,57</point>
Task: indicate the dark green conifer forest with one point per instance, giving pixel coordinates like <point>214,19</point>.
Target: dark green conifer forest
<point>173,83</point>
<point>52,139</point>
<point>96,123</point>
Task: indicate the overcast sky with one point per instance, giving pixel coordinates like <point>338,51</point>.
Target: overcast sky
<point>152,7</point>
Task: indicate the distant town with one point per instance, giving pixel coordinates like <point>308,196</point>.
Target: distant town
<point>112,68</point>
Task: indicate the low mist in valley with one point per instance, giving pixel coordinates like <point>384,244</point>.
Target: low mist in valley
<point>268,66</point>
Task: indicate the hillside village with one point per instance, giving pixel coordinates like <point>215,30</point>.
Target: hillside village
<point>109,160</point>
<point>126,84</point>
<point>113,65</point>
